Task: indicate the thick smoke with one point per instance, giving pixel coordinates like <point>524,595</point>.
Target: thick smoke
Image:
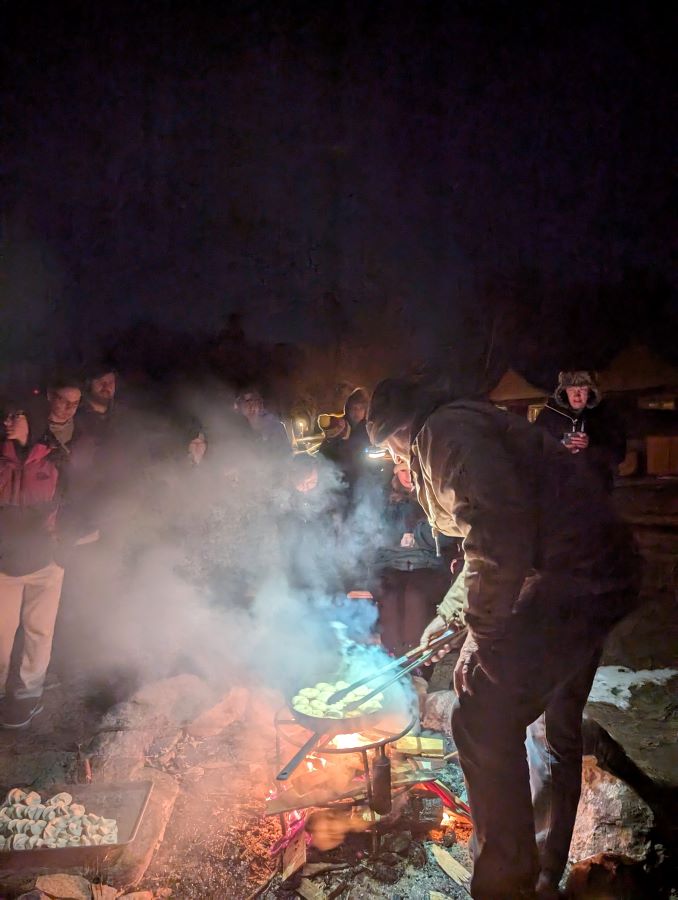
<point>224,568</point>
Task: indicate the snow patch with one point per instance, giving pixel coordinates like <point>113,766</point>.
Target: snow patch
<point>614,684</point>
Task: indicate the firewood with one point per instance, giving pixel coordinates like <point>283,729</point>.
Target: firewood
<point>420,746</point>
<point>310,891</point>
<point>451,867</point>
<point>310,870</point>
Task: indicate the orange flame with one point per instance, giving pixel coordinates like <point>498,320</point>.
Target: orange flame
<point>346,741</point>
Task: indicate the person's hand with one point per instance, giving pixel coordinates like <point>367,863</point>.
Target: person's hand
<point>579,441</point>
<point>16,428</point>
<point>468,660</point>
<point>196,449</point>
<point>475,655</point>
<point>432,630</point>
<point>407,540</point>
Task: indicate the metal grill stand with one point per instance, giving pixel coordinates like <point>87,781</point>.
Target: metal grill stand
<point>288,733</point>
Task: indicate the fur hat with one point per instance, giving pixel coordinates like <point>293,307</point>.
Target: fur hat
<point>577,379</point>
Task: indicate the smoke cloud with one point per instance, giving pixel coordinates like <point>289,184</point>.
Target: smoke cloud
<point>225,568</point>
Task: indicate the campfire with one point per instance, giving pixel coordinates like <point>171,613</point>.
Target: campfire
<point>374,789</point>
<point>361,802</point>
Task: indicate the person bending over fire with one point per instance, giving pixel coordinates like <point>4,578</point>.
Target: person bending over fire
<point>548,570</point>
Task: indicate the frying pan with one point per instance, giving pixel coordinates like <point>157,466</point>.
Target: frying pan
<point>324,726</point>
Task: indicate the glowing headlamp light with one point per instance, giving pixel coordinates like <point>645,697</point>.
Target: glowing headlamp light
<point>376,452</point>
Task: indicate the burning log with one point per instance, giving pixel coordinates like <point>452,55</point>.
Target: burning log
<point>329,827</point>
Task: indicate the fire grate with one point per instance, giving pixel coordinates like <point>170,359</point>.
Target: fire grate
<point>372,789</point>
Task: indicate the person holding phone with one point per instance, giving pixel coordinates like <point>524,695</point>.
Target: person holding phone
<point>578,417</point>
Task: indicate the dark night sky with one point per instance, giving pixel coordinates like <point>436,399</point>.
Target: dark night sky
<point>422,170</point>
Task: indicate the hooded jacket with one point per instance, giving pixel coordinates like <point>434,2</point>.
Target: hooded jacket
<point>523,508</point>
<point>607,441</point>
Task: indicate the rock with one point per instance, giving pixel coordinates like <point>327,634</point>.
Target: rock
<point>132,744</point>
<point>179,699</point>
<point>608,876</point>
<point>164,744</point>
<point>34,895</point>
<point>417,856</point>
<point>129,716</point>
<point>65,887</point>
<point>398,842</point>
<point>138,895</point>
<point>231,708</point>
<point>450,838</point>
<point>389,859</point>
<point>103,892</point>
<point>437,714</point>
<point>610,818</point>
<point>170,701</point>
<point>118,755</point>
<point>385,873</point>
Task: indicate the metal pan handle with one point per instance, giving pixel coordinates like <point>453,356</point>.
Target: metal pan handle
<point>298,757</point>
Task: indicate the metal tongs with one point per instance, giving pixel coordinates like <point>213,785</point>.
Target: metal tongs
<point>414,657</point>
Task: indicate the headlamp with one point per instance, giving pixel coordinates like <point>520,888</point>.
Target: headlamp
<point>376,452</point>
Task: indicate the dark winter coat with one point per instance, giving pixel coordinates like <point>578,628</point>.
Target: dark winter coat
<point>349,454</point>
<point>607,440</point>
<point>43,486</point>
<point>523,507</point>
<point>29,479</point>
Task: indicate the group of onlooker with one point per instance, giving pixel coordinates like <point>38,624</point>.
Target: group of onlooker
<point>547,568</point>
<point>62,454</point>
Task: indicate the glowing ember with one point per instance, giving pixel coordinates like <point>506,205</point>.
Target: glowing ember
<point>448,819</point>
<point>346,741</point>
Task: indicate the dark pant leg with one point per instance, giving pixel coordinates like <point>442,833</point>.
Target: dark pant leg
<point>550,642</point>
<point>489,732</point>
<point>424,590</point>
<point>554,748</point>
<point>390,596</point>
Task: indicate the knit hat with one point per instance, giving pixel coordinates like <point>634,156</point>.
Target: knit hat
<point>577,379</point>
<point>394,403</point>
